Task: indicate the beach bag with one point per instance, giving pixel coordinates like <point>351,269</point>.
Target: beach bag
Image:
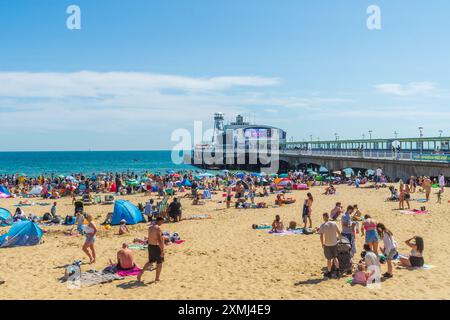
<point>292,225</point>
<point>57,220</point>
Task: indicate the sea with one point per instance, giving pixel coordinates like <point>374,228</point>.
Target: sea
<point>34,164</point>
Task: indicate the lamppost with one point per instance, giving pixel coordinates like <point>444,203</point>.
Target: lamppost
<point>421,142</point>
<point>395,134</point>
<point>440,133</point>
<point>370,134</point>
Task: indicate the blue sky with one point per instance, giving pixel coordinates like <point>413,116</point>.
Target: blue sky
<point>139,69</point>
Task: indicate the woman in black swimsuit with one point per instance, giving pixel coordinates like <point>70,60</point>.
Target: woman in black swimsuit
<point>415,259</point>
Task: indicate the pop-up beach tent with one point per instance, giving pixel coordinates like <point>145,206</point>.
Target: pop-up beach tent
<point>186,183</point>
<point>127,211</point>
<point>5,217</point>
<point>22,233</point>
<point>4,193</point>
<point>37,190</point>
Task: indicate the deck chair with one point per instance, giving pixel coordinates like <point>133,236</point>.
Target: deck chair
<point>86,200</point>
<point>109,199</point>
<point>97,199</point>
<point>162,207</point>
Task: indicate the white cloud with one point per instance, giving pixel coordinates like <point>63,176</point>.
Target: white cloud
<point>98,84</point>
<point>410,89</point>
<point>144,108</point>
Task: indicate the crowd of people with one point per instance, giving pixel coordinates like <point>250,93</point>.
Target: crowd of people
<point>380,246</point>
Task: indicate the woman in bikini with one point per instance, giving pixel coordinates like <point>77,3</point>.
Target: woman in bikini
<point>277,225</point>
<point>401,203</point>
<point>415,258</point>
<point>90,231</point>
<point>369,229</point>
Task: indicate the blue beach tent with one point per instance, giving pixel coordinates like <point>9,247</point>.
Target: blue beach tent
<point>186,183</point>
<point>4,190</point>
<point>5,217</point>
<point>127,211</point>
<point>22,233</point>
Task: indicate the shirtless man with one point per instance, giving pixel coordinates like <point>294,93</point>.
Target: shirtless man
<point>125,260</point>
<point>155,249</point>
<point>426,185</point>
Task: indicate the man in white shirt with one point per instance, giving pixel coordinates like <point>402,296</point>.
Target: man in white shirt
<point>378,174</point>
<point>329,236</point>
<point>441,182</point>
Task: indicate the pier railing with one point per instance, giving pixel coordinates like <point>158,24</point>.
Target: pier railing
<point>370,154</point>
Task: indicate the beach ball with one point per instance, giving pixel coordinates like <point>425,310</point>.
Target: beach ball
<point>107,227</point>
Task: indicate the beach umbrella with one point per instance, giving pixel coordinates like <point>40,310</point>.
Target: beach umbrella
<point>257,174</point>
<point>132,182</point>
<point>239,175</point>
<point>205,175</point>
<point>61,176</point>
<point>283,182</point>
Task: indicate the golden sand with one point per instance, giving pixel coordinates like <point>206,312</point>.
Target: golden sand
<point>224,258</point>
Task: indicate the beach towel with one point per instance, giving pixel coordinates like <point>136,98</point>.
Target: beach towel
<point>291,232</point>
<point>137,246</point>
<point>424,267</point>
<point>414,211</point>
<point>126,273</point>
<point>283,233</point>
<point>197,216</point>
<point>422,200</point>
<point>93,277</point>
<point>262,227</point>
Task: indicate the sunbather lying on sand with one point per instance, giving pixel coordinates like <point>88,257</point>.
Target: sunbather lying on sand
<point>282,200</point>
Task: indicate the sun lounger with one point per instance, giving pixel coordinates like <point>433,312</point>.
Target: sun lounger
<point>109,199</point>
<point>162,206</point>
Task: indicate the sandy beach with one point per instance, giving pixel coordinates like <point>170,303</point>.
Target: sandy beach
<point>224,258</point>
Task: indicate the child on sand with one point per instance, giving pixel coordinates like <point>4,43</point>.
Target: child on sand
<point>123,227</point>
<point>361,276</point>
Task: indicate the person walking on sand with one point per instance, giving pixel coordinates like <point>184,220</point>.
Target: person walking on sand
<point>329,235</point>
<point>426,185</point>
<point>155,249</point>
<point>441,181</point>
<point>307,210</point>
<point>91,232</point>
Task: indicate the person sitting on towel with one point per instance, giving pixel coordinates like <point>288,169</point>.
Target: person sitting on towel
<point>277,225</point>
<point>125,259</point>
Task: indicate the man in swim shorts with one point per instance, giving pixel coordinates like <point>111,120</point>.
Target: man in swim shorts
<point>155,249</point>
